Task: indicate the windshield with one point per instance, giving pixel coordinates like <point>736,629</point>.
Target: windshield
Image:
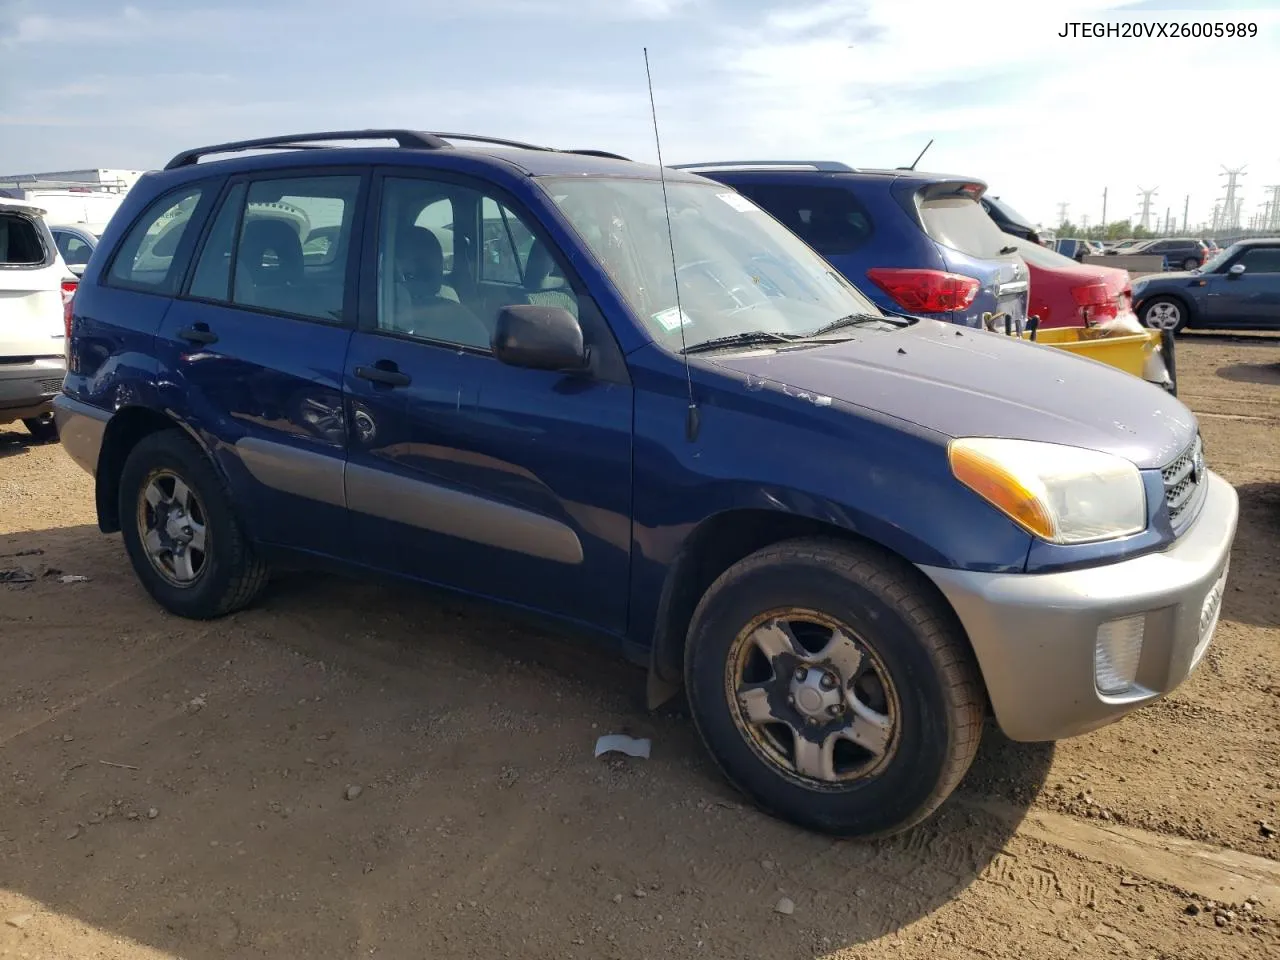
<point>740,270</point>
<point>1218,259</point>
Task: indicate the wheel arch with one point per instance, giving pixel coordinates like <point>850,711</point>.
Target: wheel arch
<point>1187,303</point>
<point>124,430</point>
<point>716,544</point>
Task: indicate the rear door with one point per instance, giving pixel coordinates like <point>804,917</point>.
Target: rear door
<point>252,350</point>
<point>972,245</point>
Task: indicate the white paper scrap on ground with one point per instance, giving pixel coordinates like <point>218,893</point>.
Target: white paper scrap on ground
<point>621,743</point>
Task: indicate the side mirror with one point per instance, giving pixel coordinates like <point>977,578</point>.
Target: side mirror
<point>539,338</point>
<point>1236,270</point>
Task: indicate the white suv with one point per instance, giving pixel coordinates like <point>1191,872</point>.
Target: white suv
<point>35,288</point>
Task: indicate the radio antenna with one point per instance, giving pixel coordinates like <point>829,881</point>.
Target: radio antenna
<point>691,420</point>
<point>922,152</point>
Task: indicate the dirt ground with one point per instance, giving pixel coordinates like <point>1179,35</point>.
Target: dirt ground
<point>174,789</point>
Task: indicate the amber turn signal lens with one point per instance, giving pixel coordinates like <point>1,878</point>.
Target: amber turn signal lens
<point>995,484</point>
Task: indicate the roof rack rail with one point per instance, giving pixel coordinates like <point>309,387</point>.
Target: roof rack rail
<point>826,166</point>
<point>477,138</point>
<point>598,153</point>
<point>404,138</point>
<point>409,139</point>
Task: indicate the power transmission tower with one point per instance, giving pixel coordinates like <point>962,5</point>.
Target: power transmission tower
<point>1273,221</point>
<point>1062,213</point>
<point>1230,203</point>
<point>1186,214</point>
<point>1104,208</point>
<point>1144,217</point>
<point>1217,217</point>
<point>1084,224</point>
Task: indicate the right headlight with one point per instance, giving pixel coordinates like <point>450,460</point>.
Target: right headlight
<point>1061,494</point>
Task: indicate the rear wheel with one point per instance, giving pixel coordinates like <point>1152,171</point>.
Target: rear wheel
<point>833,687</point>
<point>180,531</point>
<point>1165,313</point>
<point>1190,263</point>
<point>42,429</point>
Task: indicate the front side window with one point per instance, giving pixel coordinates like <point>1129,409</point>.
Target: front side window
<point>75,252</point>
<point>1261,260</point>
<point>740,271</point>
<point>450,258</point>
<point>147,259</point>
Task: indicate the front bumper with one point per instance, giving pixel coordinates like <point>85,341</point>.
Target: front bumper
<point>1034,634</point>
<point>80,430</point>
<point>27,389</point>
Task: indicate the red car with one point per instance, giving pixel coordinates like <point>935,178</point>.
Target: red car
<point>1069,294</point>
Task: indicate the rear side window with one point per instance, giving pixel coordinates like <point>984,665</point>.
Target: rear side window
<point>147,260</point>
<point>280,245</point>
<point>961,224</point>
<point>20,244</point>
<point>829,219</point>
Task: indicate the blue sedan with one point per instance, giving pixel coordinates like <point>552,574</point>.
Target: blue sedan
<point>1237,289</point>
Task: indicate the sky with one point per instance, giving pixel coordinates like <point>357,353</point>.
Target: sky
<point>1043,119</point>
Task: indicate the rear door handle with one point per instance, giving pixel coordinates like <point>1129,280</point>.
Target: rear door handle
<point>384,371</point>
<point>198,333</point>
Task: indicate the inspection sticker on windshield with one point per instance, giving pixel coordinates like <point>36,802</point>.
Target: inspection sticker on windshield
<point>673,318</point>
<point>738,202</point>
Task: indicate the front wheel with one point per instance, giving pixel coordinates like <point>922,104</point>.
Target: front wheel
<point>180,531</point>
<point>1165,313</point>
<point>834,687</point>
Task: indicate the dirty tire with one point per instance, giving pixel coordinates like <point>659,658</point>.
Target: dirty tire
<point>234,576</point>
<point>42,429</point>
<point>896,613</point>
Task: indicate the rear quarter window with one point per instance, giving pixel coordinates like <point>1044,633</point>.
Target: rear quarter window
<point>20,242</point>
<point>829,219</point>
<point>153,255</point>
<point>962,224</point>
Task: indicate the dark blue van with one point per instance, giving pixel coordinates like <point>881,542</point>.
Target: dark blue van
<point>914,242</point>
<point>640,407</point>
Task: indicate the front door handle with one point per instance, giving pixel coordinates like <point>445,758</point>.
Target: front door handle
<point>384,371</point>
<point>198,333</point>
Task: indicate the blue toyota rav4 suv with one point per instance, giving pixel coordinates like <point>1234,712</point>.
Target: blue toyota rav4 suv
<point>848,533</point>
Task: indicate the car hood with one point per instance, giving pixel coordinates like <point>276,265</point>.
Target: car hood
<point>1174,278</point>
<point>969,383</point>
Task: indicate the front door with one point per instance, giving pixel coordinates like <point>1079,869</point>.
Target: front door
<point>1250,299</point>
<point>502,482</point>
<point>253,350</point>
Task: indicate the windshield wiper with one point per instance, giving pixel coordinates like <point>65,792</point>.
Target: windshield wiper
<point>746,338</point>
<point>855,320</point>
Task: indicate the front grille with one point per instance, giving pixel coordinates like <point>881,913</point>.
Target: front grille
<point>50,386</point>
<point>1183,481</point>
